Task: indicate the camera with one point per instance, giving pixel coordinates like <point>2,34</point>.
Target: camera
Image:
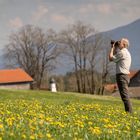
<point>116,43</point>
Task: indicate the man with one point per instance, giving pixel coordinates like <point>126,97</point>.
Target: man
<point>120,55</point>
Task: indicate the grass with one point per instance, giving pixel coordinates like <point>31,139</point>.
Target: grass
<point>27,114</point>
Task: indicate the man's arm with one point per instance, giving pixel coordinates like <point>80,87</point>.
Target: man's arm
<point>111,53</point>
<point>115,56</point>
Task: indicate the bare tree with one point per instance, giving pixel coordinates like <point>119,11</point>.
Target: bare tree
<point>107,68</point>
<point>68,37</point>
<point>33,50</point>
<point>105,63</point>
<point>81,51</point>
<point>93,59</point>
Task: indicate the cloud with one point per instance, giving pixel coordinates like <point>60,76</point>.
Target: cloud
<point>16,22</point>
<point>128,14</point>
<point>101,8</point>
<point>105,8</point>
<point>86,8</point>
<point>60,21</point>
<point>58,18</point>
<point>40,13</point>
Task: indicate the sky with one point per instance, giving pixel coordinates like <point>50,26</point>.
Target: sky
<point>103,15</point>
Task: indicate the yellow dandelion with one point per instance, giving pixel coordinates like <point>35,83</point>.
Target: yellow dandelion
<point>40,135</point>
<point>1,126</point>
<point>41,116</point>
<point>11,134</point>
<point>95,130</point>
<point>23,136</point>
<point>90,123</point>
<point>110,132</point>
<point>48,135</point>
<point>106,120</point>
<point>138,132</point>
<point>41,122</point>
<point>32,137</point>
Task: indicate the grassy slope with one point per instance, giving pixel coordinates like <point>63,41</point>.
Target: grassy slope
<point>28,113</point>
<point>62,98</point>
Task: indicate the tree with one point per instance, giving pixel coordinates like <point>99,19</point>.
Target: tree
<point>94,56</point>
<point>105,71</point>
<point>33,50</point>
<point>106,65</point>
<point>79,49</point>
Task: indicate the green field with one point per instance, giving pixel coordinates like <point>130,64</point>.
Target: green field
<point>42,115</point>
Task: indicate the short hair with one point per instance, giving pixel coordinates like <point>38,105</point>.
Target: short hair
<point>125,42</point>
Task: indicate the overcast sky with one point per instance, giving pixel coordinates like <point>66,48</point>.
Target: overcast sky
<point>57,14</point>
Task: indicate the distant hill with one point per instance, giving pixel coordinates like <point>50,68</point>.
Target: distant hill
<point>130,31</point>
<point>2,61</point>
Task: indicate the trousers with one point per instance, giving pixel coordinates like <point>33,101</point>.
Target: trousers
<point>123,82</point>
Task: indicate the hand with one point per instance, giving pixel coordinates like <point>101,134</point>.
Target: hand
<point>113,46</point>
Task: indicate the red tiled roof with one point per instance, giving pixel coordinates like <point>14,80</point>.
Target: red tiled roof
<point>14,76</point>
<point>110,87</point>
<point>133,73</point>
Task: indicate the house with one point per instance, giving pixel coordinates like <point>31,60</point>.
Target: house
<point>134,81</point>
<point>14,79</point>
<point>134,85</point>
<point>111,87</point>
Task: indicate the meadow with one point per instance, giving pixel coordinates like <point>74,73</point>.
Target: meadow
<point>42,115</point>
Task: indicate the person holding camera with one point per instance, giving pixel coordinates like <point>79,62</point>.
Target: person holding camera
<point>121,56</point>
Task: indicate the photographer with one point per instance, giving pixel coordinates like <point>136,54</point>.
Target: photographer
<point>121,56</point>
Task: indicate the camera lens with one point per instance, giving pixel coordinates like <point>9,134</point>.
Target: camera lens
<point>112,42</point>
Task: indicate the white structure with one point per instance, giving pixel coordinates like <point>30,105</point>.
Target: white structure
<point>53,85</point>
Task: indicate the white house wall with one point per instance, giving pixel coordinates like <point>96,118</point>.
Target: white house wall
<point>16,86</point>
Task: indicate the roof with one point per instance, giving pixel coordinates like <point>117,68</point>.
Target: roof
<point>133,73</point>
<point>111,87</point>
<point>14,76</point>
